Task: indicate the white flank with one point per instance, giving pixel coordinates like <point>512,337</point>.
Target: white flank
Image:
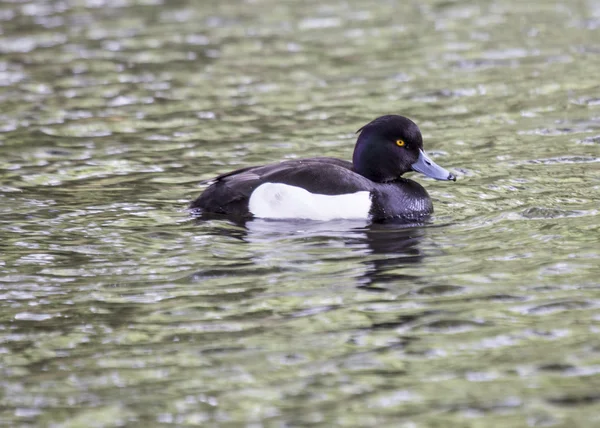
<point>281,201</point>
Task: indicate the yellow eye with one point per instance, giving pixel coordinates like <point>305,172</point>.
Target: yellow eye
<point>400,143</point>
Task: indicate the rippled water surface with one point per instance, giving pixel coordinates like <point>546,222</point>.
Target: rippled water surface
<point>119,308</point>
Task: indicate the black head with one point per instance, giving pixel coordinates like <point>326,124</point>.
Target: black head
<point>390,146</point>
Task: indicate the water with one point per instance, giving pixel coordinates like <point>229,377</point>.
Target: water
<point>119,308</point>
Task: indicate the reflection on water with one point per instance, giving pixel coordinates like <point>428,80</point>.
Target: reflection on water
<point>401,247</point>
<point>383,247</point>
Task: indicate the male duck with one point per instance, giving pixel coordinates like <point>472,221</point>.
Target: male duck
<point>370,187</point>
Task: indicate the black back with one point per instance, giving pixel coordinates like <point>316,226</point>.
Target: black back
<point>229,193</point>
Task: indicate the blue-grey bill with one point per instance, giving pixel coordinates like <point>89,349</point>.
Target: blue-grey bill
<point>426,166</point>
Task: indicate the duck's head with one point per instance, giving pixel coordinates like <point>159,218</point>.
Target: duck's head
<point>390,146</point>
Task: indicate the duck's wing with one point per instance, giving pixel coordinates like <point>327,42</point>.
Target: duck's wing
<point>239,173</point>
<point>325,176</point>
<point>230,192</point>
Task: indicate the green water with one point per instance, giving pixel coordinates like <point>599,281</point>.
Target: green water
<point>117,308</point>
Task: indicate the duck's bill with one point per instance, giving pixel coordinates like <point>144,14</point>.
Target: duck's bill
<point>426,166</point>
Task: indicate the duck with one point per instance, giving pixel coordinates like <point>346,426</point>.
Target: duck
<point>371,187</point>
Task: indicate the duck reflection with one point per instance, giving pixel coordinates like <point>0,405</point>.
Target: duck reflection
<point>395,245</point>
<point>378,251</point>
